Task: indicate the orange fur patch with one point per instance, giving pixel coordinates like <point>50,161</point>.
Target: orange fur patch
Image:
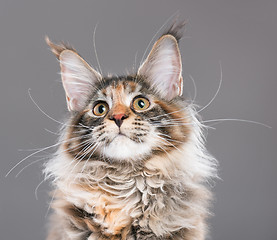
<point>111,216</point>
<point>183,121</point>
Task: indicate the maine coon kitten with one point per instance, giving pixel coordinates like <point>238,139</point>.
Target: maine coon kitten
<point>131,162</point>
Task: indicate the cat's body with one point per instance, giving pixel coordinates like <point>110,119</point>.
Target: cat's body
<point>131,163</point>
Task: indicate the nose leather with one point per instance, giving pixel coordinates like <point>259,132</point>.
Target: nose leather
<point>118,118</point>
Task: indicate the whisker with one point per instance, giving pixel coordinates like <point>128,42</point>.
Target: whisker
<point>166,22</point>
<point>32,154</point>
<point>47,130</point>
<point>164,151</point>
<point>169,113</point>
<point>82,145</point>
<point>38,151</point>
<point>49,206</point>
<point>135,63</point>
<point>36,190</point>
<point>39,160</point>
<point>70,148</point>
<point>169,138</point>
<point>28,150</point>
<point>176,123</point>
<point>91,146</point>
<point>181,124</point>
<point>84,130</point>
<point>195,89</point>
<point>94,46</point>
<point>47,115</point>
<point>97,145</point>
<point>235,119</point>
<point>29,92</point>
<point>84,149</point>
<point>217,91</point>
<point>90,128</point>
<point>169,143</point>
<point>164,134</point>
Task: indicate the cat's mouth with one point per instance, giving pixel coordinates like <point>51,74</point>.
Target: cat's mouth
<point>123,138</point>
<point>120,134</point>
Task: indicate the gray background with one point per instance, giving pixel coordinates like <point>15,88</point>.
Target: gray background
<point>241,34</point>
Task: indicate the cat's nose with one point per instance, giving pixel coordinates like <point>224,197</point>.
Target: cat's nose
<point>118,118</point>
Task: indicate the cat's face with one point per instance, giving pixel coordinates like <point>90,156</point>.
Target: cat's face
<point>119,115</point>
<point>125,121</point>
<point>124,118</point>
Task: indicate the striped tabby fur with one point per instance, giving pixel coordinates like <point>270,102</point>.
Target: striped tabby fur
<point>131,173</point>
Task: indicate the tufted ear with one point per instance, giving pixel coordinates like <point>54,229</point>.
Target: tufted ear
<point>163,67</point>
<point>78,77</point>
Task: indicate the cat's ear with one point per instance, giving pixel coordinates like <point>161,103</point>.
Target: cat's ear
<point>163,67</point>
<point>78,77</point>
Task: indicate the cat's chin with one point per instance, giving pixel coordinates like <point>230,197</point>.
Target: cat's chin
<point>122,148</point>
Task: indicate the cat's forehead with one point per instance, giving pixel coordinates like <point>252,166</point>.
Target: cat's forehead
<point>122,87</point>
<point>120,90</point>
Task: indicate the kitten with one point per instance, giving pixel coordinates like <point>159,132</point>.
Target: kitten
<point>131,162</point>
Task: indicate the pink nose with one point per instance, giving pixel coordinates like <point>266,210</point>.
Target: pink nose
<point>118,118</point>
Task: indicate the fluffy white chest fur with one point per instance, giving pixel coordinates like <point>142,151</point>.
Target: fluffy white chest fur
<point>167,194</point>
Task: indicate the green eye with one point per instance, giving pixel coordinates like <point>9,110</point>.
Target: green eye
<point>141,104</point>
<point>100,109</point>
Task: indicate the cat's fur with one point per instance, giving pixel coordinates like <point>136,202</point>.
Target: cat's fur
<point>130,174</point>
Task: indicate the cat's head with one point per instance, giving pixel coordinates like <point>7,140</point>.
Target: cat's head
<point>125,118</point>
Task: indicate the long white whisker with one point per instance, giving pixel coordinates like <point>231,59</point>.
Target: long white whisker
<point>47,115</point>
<point>83,168</point>
<point>82,145</point>
<point>167,137</point>
<point>28,150</point>
<point>94,46</point>
<point>217,91</point>
<point>195,89</point>
<point>29,92</point>
<point>235,119</point>
<point>135,63</point>
<point>47,130</point>
<point>164,151</point>
<point>88,146</point>
<point>212,120</point>
<point>169,143</point>
<point>32,154</point>
<point>167,114</point>
<point>87,127</point>
<point>35,149</point>
<point>39,160</point>
<point>143,56</point>
<point>181,124</point>
<point>36,190</point>
<point>49,206</point>
<point>91,147</point>
<point>38,151</point>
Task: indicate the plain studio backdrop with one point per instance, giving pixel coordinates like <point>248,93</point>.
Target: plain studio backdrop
<point>240,36</point>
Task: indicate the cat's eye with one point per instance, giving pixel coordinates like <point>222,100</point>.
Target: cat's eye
<point>100,109</point>
<point>140,104</point>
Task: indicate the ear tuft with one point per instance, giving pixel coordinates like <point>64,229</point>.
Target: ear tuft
<point>57,49</point>
<point>176,29</point>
